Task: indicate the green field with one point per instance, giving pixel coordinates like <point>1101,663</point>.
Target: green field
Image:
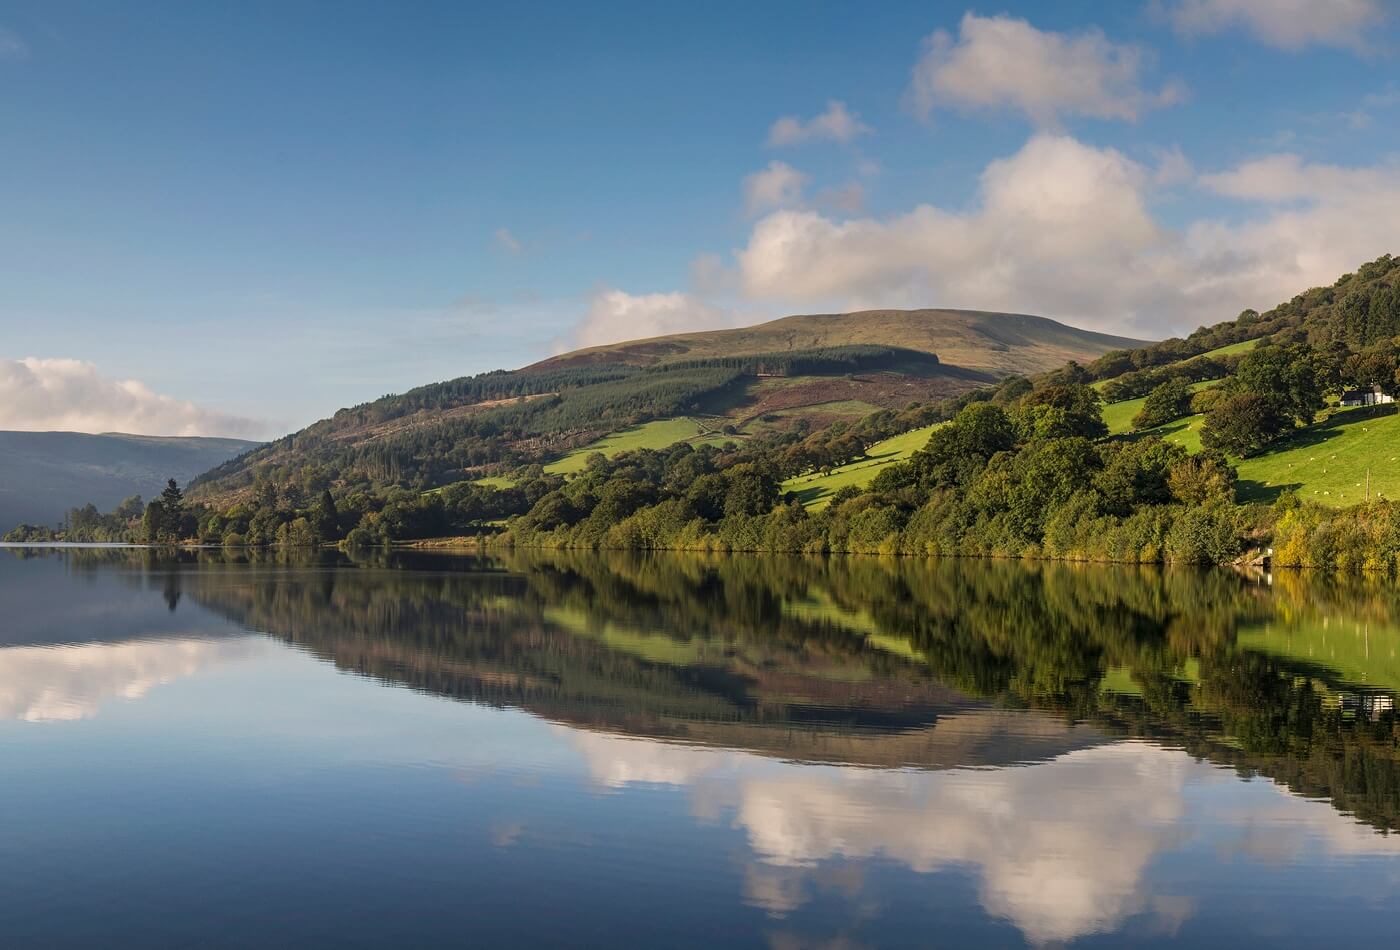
<point>660,434</point>
<point>1234,348</point>
<point>1327,462</point>
<point>1118,416</point>
<point>1185,432</point>
<point>815,490</point>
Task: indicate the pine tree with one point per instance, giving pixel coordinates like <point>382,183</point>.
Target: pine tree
<point>172,503</point>
<point>326,518</point>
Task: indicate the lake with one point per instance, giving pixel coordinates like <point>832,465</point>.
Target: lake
<point>583,750</point>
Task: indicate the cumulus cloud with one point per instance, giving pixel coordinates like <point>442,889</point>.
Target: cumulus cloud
<point>836,124</point>
<point>71,395</point>
<point>1066,229</point>
<point>1286,24</point>
<point>1002,62</point>
<point>615,315</point>
<point>777,186</point>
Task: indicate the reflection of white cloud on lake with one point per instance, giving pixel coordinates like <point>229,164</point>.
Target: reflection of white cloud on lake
<point>1061,848</point>
<point>45,684</point>
<point>618,761</point>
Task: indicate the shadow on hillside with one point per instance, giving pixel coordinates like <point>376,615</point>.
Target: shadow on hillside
<point>1247,489</point>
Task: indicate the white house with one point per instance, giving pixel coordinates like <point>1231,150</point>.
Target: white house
<point>1365,397</point>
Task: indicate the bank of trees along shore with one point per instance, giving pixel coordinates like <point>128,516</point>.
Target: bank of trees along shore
<point>1023,469</point>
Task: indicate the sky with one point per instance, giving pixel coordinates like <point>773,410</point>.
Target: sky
<point>233,219</point>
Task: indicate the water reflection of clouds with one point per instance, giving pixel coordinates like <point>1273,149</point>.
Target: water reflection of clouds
<point>1061,849</point>
<point>62,683</point>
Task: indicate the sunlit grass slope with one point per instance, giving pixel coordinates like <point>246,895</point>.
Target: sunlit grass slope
<point>1327,462</point>
<point>660,434</point>
<point>1118,416</point>
<point>815,490</point>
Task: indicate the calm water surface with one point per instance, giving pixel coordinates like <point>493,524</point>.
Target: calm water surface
<point>590,751</point>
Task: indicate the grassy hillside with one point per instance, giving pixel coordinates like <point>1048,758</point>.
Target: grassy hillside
<point>815,490</point>
<point>1118,416</point>
<point>995,343</point>
<point>1327,462</point>
<point>660,434</point>
<point>43,474</point>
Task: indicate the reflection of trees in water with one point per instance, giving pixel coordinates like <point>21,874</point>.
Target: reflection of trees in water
<point>714,647</point>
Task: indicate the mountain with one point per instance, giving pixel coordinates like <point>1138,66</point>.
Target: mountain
<point>43,474</point>
<point>979,340</point>
<point>716,385</point>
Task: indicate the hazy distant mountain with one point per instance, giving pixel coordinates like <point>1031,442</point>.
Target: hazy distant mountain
<point>43,474</point>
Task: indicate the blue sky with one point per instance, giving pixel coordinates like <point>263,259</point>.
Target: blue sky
<point>234,219</point>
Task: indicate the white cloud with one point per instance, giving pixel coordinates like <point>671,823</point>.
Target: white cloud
<point>1067,230</point>
<point>1286,24</point>
<point>1001,62</point>
<point>71,395</point>
<point>1285,178</point>
<point>615,315</point>
<point>836,124</point>
<point>777,186</point>
<point>507,242</point>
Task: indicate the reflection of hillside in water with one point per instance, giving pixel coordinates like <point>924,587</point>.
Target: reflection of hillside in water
<point>807,690</point>
<point>857,661</point>
<point>1043,729</point>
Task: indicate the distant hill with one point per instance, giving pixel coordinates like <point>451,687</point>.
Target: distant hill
<point>43,474</point>
<point>721,385</point>
<point>995,343</point>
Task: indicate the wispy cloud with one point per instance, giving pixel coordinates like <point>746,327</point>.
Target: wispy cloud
<point>11,46</point>
<point>1284,24</point>
<point>508,242</point>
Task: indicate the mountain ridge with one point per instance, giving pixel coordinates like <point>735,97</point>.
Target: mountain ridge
<point>984,340</point>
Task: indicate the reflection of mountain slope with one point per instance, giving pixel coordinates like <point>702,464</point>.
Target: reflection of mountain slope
<point>770,699</point>
<point>710,651</point>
